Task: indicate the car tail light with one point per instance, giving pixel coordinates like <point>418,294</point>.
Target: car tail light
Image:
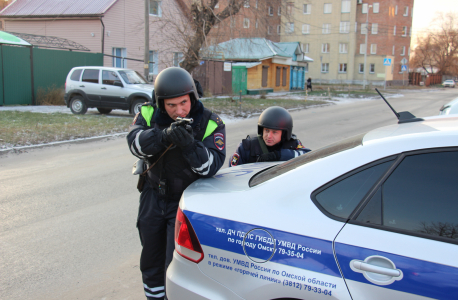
<point>186,242</point>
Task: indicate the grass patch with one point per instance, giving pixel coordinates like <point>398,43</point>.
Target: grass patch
<point>51,96</point>
<point>231,107</point>
<point>27,128</point>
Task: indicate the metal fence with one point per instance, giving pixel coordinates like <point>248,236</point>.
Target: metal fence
<point>24,70</point>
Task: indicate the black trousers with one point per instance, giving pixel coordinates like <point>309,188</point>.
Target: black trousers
<point>156,226</point>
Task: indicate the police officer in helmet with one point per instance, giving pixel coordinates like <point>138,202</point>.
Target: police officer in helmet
<point>274,141</point>
<point>176,154</point>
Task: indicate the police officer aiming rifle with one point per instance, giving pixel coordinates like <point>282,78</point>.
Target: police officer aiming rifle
<point>177,152</point>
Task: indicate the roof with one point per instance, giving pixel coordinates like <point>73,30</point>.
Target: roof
<point>248,49</point>
<point>293,48</point>
<point>431,126</point>
<point>56,8</point>
<point>9,39</point>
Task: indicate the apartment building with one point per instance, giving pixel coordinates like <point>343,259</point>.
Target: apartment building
<point>333,33</point>
<point>256,19</point>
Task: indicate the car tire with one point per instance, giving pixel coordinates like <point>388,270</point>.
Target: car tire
<point>104,110</point>
<point>136,104</point>
<point>78,106</point>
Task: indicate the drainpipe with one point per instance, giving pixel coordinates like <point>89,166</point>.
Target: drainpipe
<point>103,36</point>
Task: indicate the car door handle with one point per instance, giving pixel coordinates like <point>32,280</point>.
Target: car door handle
<point>375,269</point>
<point>82,86</point>
<point>103,88</point>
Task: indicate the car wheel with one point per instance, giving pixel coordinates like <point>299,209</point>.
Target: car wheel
<point>135,108</point>
<point>104,110</point>
<point>77,105</point>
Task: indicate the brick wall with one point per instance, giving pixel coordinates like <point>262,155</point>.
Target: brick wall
<point>386,37</point>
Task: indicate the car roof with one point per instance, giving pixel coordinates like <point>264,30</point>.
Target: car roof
<point>101,67</point>
<point>429,126</point>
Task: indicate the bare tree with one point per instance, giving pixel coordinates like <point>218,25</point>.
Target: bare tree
<point>208,22</point>
<point>439,47</point>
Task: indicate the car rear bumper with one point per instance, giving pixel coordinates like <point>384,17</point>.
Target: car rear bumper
<point>186,281</point>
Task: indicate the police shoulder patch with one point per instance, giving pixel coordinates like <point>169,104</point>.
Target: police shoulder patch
<point>235,159</point>
<point>219,140</point>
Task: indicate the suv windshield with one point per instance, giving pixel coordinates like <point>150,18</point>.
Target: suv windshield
<point>132,77</point>
<point>306,158</point>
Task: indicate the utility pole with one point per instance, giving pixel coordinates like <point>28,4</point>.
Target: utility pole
<point>146,59</point>
<point>365,45</point>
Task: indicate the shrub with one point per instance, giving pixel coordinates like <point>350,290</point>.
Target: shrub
<point>51,95</point>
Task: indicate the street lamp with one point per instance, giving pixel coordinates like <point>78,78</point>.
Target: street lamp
<point>365,44</point>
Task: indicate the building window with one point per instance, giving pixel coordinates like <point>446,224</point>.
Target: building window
<point>375,8</point>
<point>343,48</point>
<point>246,3</point>
<point>271,11</point>
<point>396,10</point>
<point>403,51</point>
<point>361,68</point>
<point>289,27</point>
<point>356,26</point>
<point>346,6</point>
<point>256,4</point>
<point>154,61</point>
<point>406,11</point>
<point>307,9</point>
<point>278,29</point>
<point>289,9</point>
<point>363,28</point>
<point>118,61</point>
<point>177,58</point>
<point>306,68</point>
<point>217,5</point>
<point>362,48</point>
<point>279,11</point>
<point>343,68</point>
<point>327,8</point>
<point>394,30</point>
<point>305,28</point>
<point>373,48</point>
<point>246,23</point>
<point>364,8</point>
<point>326,29</point>
<point>232,22</point>
<point>404,31</point>
<point>269,29</point>
<point>393,50</point>
<point>155,8</point>
<point>372,68</point>
<point>374,28</point>
<point>256,23</point>
<point>325,48</point>
<point>344,27</point>
<point>325,68</point>
<point>305,48</point>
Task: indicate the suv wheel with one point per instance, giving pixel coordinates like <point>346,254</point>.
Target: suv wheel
<point>104,110</point>
<point>135,108</point>
<point>77,105</point>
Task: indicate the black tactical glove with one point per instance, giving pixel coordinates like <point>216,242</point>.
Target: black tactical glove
<point>181,137</point>
<point>271,156</point>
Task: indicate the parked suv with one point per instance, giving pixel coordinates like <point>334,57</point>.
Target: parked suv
<point>106,89</point>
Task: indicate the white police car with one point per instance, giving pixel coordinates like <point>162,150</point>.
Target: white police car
<point>372,217</point>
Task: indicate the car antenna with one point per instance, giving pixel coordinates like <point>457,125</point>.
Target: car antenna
<point>403,116</point>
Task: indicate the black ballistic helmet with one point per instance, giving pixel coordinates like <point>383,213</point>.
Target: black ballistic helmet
<point>174,82</point>
<point>278,118</point>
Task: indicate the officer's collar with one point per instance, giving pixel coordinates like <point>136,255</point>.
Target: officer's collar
<point>197,111</point>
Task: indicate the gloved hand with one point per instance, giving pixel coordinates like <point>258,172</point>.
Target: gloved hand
<point>271,156</point>
<point>178,135</point>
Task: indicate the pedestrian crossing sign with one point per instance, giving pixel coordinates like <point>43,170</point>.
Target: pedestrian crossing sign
<point>404,68</point>
<point>387,61</point>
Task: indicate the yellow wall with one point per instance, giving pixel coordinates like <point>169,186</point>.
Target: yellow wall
<point>254,76</point>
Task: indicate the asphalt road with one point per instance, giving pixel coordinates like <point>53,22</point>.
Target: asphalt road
<point>68,212</point>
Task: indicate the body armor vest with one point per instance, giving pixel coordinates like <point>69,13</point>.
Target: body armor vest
<point>252,144</point>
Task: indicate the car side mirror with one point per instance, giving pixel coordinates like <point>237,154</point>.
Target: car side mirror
<point>118,83</point>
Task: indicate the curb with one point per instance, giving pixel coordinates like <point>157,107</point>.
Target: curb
<point>80,140</point>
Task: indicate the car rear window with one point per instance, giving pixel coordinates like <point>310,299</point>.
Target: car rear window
<point>76,75</point>
<point>91,76</point>
<point>292,164</point>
